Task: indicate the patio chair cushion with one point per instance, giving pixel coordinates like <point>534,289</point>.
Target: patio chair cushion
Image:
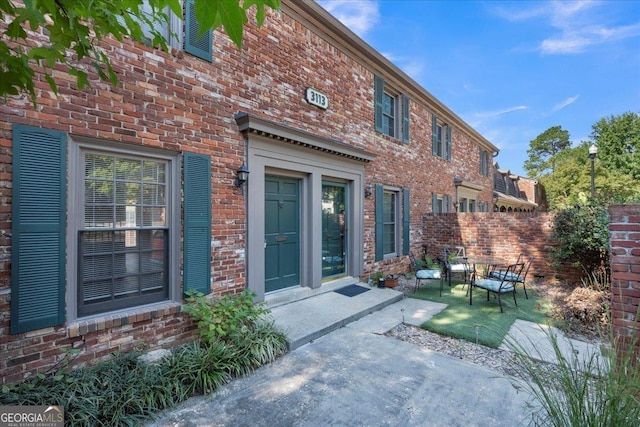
<point>503,275</point>
<point>459,268</point>
<point>428,274</point>
<point>494,285</point>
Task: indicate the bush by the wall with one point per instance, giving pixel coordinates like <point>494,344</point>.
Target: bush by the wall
<point>582,236</point>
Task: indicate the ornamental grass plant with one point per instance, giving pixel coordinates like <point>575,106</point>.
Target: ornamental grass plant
<point>600,389</point>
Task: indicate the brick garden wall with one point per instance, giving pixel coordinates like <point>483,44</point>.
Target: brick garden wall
<point>501,235</point>
<point>624,229</point>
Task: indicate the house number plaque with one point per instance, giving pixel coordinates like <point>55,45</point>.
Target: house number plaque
<point>316,98</point>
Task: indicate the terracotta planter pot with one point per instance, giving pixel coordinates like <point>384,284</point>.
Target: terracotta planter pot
<point>391,282</point>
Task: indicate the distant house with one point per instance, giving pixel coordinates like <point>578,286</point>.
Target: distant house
<point>514,193</point>
<point>117,200</point>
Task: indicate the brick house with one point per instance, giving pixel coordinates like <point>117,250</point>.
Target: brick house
<point>515,193</point>
<point>116,200</point>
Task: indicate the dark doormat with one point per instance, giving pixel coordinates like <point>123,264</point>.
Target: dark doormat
<point>351,290</point>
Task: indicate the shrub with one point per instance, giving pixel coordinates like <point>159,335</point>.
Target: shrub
<point>196,369</point>
<point>586,309</point>
<point>582,235</point>
<point>120,391</point>
<point>226,317</point>
<point>126,390</point>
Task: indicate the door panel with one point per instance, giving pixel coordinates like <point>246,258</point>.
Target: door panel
<point>334,229</point>
<point>282,233</point>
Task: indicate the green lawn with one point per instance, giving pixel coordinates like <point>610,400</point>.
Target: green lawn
<point>481,322</point>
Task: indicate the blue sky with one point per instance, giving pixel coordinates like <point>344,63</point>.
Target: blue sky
<point>511,69</point>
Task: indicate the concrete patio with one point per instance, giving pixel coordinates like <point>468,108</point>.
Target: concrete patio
<point>343,370</point>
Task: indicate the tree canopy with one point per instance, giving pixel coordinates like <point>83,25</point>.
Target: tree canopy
<point>543,150</point>
<point>74,30</point>
<point>616,166</point>
<point>618,142</point>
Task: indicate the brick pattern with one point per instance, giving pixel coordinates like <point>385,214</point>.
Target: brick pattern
<point>90,341</point>
<point>624,232</point>
<point>177,102</point>
<point>499,235</point>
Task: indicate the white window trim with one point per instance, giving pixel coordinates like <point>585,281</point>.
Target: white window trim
<point>397,114</point>
<point>175,27</point>
<point>77,146</point>
<point>442,149</point>
<point>398,222</point>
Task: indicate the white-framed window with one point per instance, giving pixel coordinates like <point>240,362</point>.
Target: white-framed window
<point>182,32</point>
<point>485,162</point>
<point>441,138</point>
<point>392,221</point>
<point>441,203</point>
<point>99,227</point>
<point>389,114</point>
<point>391,226</point>
<point>391,111</point>
<point>123,228</point>
<point>464,202</point>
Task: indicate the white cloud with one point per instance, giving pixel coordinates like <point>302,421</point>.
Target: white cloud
<point>359,16</point>
<point>564,103</point>
<point>520,14</point>
<point>489,114</point>
<point>578,25</point>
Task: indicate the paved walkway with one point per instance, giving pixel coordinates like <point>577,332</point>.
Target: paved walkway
<point>354,375</point>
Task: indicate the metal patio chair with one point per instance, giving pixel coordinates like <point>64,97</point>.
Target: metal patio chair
<point>497,286</point>
<point>515,278</point>
<point>455,267</point>
<point>426,272</point>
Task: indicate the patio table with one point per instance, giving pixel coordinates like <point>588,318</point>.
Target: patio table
<point>479,260</point>
<point>488,263</point>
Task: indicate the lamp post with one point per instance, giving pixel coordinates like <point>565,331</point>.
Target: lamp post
<point>593,150</point>
<point>457,181</point>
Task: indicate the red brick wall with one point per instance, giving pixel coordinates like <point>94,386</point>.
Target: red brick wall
<point>624,229</point>
<point>500,235</point>
<point>177,102</point>
<point>30,353</point>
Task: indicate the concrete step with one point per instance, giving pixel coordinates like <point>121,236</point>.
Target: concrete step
<point>310,318</point>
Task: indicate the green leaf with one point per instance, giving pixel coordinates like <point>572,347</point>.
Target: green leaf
<point>52,83</point>
<point>231,15</point>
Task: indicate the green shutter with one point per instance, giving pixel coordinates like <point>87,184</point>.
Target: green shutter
<point>378,87</point>
<point>481,161</point>
<point>448,142</point>
<point>379,214</point>
<point>434,203</point>
<point>197,222</point>
<point>447,203</point>
<point>406,222</point>
<point>487,164</point>
<point>38,239</point>
<point>195,43</point>
<point>434,135</point>
<point>405,119</point>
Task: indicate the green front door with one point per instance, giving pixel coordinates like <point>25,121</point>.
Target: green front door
<point>282,233</point>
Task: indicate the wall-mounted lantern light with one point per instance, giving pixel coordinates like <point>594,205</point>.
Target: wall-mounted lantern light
<point>367,191</point>
<point>457,181</point>
<point>242,175</point>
